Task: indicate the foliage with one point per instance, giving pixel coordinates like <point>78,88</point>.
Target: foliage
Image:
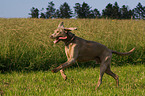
<point>65,11</point>
<point>42,15</point>
<point>139,11</point>
<point>114,12</point>
<point>96,13</point>
<point>25,43</point>
<point>57,14</point>
<point>125,12</point>
<point>50,10</point>
<point>85,11</point>
<point>107,12</point>
<point>34,12</point>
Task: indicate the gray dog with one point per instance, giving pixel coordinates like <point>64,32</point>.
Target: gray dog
<point>78,49</point>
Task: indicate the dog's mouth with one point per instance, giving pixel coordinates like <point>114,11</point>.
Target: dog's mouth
<point>59,38</point>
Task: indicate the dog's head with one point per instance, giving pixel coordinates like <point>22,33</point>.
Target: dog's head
<point>61,33</point>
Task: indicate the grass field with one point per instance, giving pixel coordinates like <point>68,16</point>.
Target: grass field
<point>80,82</point>
<point>25,43</point>
<point>27,55</point>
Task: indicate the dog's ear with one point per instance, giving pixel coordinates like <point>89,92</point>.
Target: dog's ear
<point>70,29</point>
<point>61,25</point>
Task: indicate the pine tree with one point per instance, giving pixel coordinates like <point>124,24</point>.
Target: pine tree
<point>82,11</point>
<point>64,11</point>
<point>34,12</point>
<point>97,13</point>
<point>108,11</point>
<point>125,12</point>
<point>50,11</point>
<point>139,11</point>
<point>116,14</point>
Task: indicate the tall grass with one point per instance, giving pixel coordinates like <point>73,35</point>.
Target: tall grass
<point>25,43</point>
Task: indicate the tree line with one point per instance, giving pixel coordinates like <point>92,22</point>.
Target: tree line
<point>112,11</point>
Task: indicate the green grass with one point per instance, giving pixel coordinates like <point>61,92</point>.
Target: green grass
<point>27,53</point>
<point>25,43</point>
<point>80,82</point>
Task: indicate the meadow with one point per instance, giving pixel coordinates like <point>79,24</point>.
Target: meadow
<point>80,82</point>
<point>27,55</point>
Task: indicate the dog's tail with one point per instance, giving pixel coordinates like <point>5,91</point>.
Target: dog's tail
<point>123,54</point>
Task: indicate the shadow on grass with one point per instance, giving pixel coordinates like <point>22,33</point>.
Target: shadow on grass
<point>7,65</point>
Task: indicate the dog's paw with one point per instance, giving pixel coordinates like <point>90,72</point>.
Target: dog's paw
<point>65,78</point>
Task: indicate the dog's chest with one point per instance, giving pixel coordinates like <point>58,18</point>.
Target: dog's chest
<point>69,49</point>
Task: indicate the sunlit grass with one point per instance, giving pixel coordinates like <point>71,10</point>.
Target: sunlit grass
<point>25,43</point>
<point>80,82</point>
<point>25,49</point>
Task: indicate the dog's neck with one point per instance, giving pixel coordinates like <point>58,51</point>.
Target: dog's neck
<point>70,38</point>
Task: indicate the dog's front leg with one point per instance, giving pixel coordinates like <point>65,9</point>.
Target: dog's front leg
<point>73,54</point>
<point>62,66</point>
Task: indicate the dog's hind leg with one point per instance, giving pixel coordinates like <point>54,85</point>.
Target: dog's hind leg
<point>103,68</point>
<point>63,74</point>
<point>102,71</point>
<point>109,72</point>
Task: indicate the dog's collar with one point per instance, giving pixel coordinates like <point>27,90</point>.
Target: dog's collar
<point>72,38</point>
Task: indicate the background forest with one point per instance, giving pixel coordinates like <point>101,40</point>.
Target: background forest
<point>112,11</point>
